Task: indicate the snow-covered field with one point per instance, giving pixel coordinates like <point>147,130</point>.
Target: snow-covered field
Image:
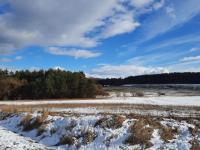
<point>162,100</point>
<point>103,124</point>
<point>87,132</point>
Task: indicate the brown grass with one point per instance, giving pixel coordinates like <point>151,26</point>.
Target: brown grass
<point>88,137</point>
<point>195,144</point>
<point>28,123</point>
<point>70,140</point>
<point>140,134</point>
<point>168,133</point>
<point>114,121</point>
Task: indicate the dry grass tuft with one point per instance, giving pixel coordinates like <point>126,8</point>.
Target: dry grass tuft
<point>26,122</point>
<point>113,122</point>
<point>168,133</point>
<point>4,115</point>
<point>69,140</point>
<point>195,144</point>
<point>89,136</point>
<point>140,134</point>
<point>30,123</point>
<point>194,130</point>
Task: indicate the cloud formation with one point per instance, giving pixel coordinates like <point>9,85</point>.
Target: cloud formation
<point>63,23</point>
<point>66,23</point>
<point>125,70</point>
<point>76,53</point>
<point>191,59</point>
<point>5,59</point>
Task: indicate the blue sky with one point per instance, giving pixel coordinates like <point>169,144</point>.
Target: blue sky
<point>114,38</point>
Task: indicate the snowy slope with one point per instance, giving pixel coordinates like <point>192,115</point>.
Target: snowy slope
<point>12,141</point>
<point>76,126</point>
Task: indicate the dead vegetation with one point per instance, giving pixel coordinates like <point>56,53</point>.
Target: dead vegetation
<point>195,144</point>
<point>4,115</point>
<point>140,134</point>
<point>88,137</point>
<point>168,133</point>
<point>67,139</point>
<point>29,123</point>
<point>141,131</point>
<point>113,122</point>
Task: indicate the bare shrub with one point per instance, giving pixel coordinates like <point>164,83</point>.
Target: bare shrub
<point>168,133</point>
<point>195,144</point>
<point>69,140</point>
<point>140,134</point>
<point>89,136</point>
<point>26,122</point>
<point>4,115</point>
<point>113,122</point>
<point>194,130</point>
<point>30,123</point>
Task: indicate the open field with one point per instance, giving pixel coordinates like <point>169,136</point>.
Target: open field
<point>123,121</point>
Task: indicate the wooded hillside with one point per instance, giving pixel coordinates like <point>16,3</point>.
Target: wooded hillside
<point>46,85</point>
<point>167,78</point>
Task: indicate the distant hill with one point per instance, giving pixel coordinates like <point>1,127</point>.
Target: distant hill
<point>165,78</point>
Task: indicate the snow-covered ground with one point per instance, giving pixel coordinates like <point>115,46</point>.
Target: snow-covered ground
<point>103,136</point>
<point>162,100</point>
<point>13,141</point>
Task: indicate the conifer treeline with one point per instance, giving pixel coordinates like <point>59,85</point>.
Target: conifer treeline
<point>46,85</point>
<point>166,78</point>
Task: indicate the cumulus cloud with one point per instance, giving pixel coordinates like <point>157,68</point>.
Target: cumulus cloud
<point>125,70</point>
<point>191,59</point>
<point>77,53</point>
<point>49,22</point>
<point>63,23</point>
<point>66,23</point>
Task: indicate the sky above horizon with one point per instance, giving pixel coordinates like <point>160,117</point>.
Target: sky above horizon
<point>103,38</point>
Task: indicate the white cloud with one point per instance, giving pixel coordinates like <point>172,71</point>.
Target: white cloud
<point>177,13</point>
<point>125,70</point>
<point>59,68</point>
<point>48,22</point>
<point>194,49</point>
<point>191,59</point>
<point>119,24</point>
<point>67,23</point>
<point>141,3</point>
<point>171,12</point>
<point>18,57</point>
<point>77,53</point>
<point>159,5</point>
